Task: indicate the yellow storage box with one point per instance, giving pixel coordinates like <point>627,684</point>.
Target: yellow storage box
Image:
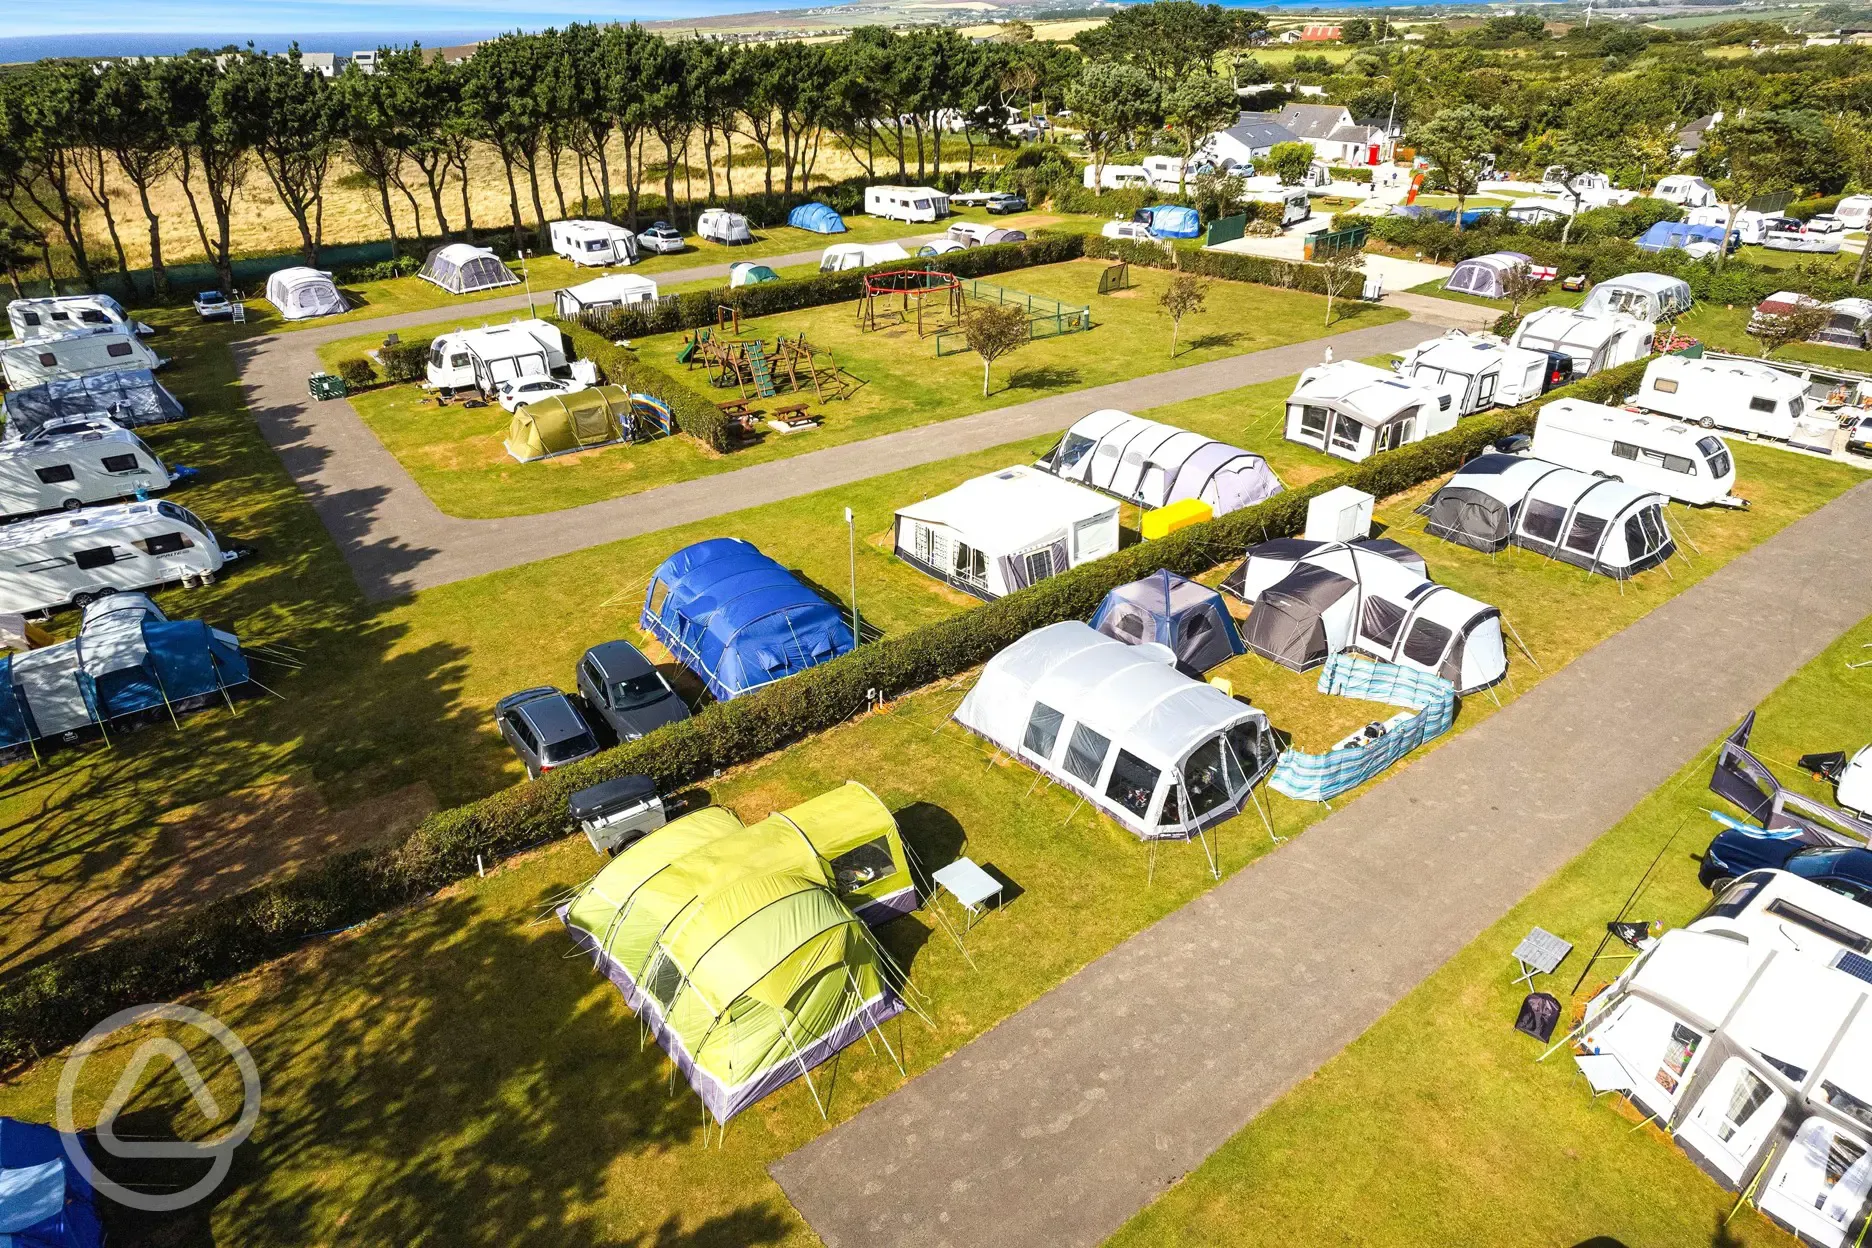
<point>1167,520</point>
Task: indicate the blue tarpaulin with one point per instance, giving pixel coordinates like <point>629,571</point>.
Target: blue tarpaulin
<point>45,1200</point>
<point>817,217</point>
<point>132,397</point>
<point>1316,777</point>
<point>1174,221</point>
<point>738,619</point>
<point>1666,234</point>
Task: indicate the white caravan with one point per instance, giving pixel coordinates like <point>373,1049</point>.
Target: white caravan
<point>1479,372</point>
<point>1855,211</point>
<point>75,557</point>
<point>1686,189</point>
<point>485,357</point>
<point>906,203</point>
<point>1734,394</point>
<point>841,256</point>
<point>1354,411</point>
<point>595,244</point>
<point>1295,204</point>
<point>1116,178</point>
<point>74,463</point>
<point>1595,343</point>
<point>609,293</point>
<point>61,314</point>
<point>718,225</point>
<point>1651,452</point>
<point>105,349</point>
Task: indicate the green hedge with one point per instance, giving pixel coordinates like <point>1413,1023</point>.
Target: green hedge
<point>407,361</point>
<point>1229,265</point>
<point>54,1003</point>
<point>693,414</point>
<point>357,373</point>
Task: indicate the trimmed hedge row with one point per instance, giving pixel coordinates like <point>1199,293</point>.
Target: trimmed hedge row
<point>54,1003</point>
<point>1227,265</point>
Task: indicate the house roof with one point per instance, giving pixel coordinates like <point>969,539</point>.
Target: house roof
<point>1314,121</point>
<point>1690,138</point>
<point>1258,130</point>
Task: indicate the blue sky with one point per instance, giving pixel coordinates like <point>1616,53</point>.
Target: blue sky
<point>275,17</point>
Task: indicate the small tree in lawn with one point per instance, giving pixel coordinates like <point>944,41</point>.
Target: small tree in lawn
<point>1797,325</point>
<point>1519,285</point>
<point>1184,296</point>
<point>1342,271</point>
<point>1289,162</point>
<point>992,331</point>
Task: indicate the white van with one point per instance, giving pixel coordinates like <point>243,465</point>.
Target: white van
<point>1294,201</point>
<point>483,358</point>
<point>595,244</point>
<point>1734,394</point>
<point>1686,189</point>
<point>1480,372</point>
<point>1595,342</point>
<point>906,203</point>
<point>1651,452</point>
<point>842,256</point>
<point>105,349</point>
<point>74,463</point>
<point>61,314</point>
<point>74,557</point>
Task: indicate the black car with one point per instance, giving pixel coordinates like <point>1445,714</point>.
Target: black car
<point>627,691</point>
<point>1003,204</point>
<point>545,729</point>
<point>1847,870</point>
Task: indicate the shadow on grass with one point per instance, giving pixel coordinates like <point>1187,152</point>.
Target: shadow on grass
<point>1206,342</point>
<point>1046,377</point>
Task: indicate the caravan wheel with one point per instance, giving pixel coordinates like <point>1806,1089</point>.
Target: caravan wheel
<point>71,504</point>
<point>1707,422</point>
<point>85,598</point>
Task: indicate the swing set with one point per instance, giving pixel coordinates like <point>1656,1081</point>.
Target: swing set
<point>915,290</point>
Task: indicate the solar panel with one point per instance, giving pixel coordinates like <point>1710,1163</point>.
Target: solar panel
<point>1856,965</point>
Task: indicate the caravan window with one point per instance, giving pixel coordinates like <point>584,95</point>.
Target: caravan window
<point>1426,643</point>
<point>1664,385</point>
<point>1543,520</point>
<point>57,474</point>
<point>1625,450</point>
<point>1585,534</point>
<point>1758,404</point>
<point>47,359</point>
<point>1313,422</point>
<point>120,463</point>
<point>1380,625</point>
<point>95,557</point>
<point>1716,455</point>
<point>1085,754</point>
<point>1133,781</point>
<point>91,316</point>
<point>867,864</point>
<point>162,544</point>
<point>1042,730</point>
<point>117,350</point>
<point>31,318</point>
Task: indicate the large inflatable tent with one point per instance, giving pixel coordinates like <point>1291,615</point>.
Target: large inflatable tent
<point>1664,235</point>
<point>1171,221</point>
<point>132,397</point>
<point>300,294</point>
<point>737,945</point>
<point>1647,296</point>
<point>583,421</point>
<point>1154,465</point>
<point>1174,611</point>
<point>1163,754</point>
<point>738,619</point>
<point>817,217</point>
<point>463,269</point>
<point>46,1200</point>
<point>1485,275</point>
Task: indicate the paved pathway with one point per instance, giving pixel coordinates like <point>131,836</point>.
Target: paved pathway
<point>1058,1125</point>
<point>397,541</point>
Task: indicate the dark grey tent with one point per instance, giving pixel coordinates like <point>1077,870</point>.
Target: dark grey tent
<point>1592,522</point>
<point>1288,623</point>
<point>132,397</point>
<point>1174,611</point>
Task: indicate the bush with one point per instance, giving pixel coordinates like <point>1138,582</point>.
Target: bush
<point>398,266</point>
<point>357,373</point>
<point>1350,173</point>
<point>407,361</point>
<point>55,1002</point>
<point>1227,265</point>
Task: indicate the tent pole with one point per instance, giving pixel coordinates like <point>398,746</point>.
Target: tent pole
<point>1266,816</point>
<point>1749,1191</point>
<point>1215,872</point>
<point>1073,811</point>
<point>805,1074</point>
<point>1516,634</point>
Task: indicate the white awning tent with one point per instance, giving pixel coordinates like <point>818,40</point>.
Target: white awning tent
<point>998,533</point>
<point>1595,341</point>
<point>1314,599</point>
<point>1164,755</point>
<point>1153,465</point>
<point>302,293</point>
<point>1589,521</point>
<point>1646,296</point>
<point>604,294</point>
<point>462,269</point>
<point>1354,411</point>
<point>1483,275</point>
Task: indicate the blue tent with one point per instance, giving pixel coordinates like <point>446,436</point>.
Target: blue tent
<point>1666,234</point>
<point>132,397</point>
<point>1172,221</point>
<point>1174,611</point>
<point>817,217</point>
<point>45,1200</point>
<point>739,620</point>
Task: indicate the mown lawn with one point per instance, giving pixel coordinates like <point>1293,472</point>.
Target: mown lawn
<point>1437,1127</point>
<point>457,457</point>
<point>1726,329</point>
<point>448,1075</point>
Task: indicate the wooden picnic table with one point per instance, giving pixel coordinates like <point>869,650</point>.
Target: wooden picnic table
<point>735,407</point>
<point>792,416</point>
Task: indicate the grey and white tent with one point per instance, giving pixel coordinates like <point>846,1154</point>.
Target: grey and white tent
<point>1153,465</point>
<point>1169,610</point>
<point>130,398</point>
<point>1647,296</point>
<point>1354,411</point>
<point>1312,600</point>
<point>301,294</point>
<point>1483,275</point>
<point>1591,522</point>
<point>462,269</point>
<point>1163,754</point>
<point>1002,532</point>
<point>1594,341</point>
<point>609,293</point>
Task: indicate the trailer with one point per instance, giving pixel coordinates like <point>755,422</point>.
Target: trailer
<point>483,358</point>
<point>593,244</point>
<point>76,557</point>
<point>906,203</point>
<point>73,463</point>
<point>101,349</point>
<point>1745,395</point>
<point>1648,451</point>
<point>61,314</point>
<point>1482,372</point>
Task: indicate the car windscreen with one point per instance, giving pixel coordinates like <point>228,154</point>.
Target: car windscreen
<point>575,746</point>
<point>628,695</point>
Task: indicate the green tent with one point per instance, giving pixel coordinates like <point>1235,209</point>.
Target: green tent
<point>564,423</point>
<point>733,945</point>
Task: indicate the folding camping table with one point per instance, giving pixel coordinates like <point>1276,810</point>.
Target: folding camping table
<point>1604,1072</point>
<point>1539,953</point>
<point>971,887</point>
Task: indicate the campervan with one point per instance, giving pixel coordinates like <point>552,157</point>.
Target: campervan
<point>1823,235</point>
<point>485,357</point>
<point>842,256</point>
<point>593,243</point>
<point>72,463</point>
<point>1685,189</point>
<point>1734,394</point>
<point>906,203</point>
<point>1294,202</point>
<point>1480,372</point>
<point>1596,343</point>
<point>1116,178</point>
<point>48,318</point>
<point>74,557</point>
<point>1644,450</point>
<point>104,349</point>
<point>1354,411</point>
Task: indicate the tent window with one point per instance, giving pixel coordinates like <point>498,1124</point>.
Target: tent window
<point>1637,542</point>
<point>1133,783</point>
<point>1130,625</point>
<point>1313,422</point>
<point>858,868</point>
<point>659,594</point>
<point>1042,730</point>
<point>1381,623</point>
<point>1486,393</point>
<point>1749,1094</point>
<point>1678,1055</point>
<point>925,543</point>
<point>95,557</point>
<point>1426,643</point>
<point>1665,385</point>
<point>1196,633</point>
<point>1212,776</point>
<point>1085,754</point>
<point>970,563</point>
<point>162,544</point>
<point>1543,520</point>
<point>1250,745</point>
<point>1585,534</point>
<point>1074,449</point>
<point>664,979</point>
<point>1172,814</point>
<point>57,474</point>
<point>1039,565</point>
<point>1346,433</point>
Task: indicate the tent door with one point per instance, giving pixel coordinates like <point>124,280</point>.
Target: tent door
<point>1153,486</point>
